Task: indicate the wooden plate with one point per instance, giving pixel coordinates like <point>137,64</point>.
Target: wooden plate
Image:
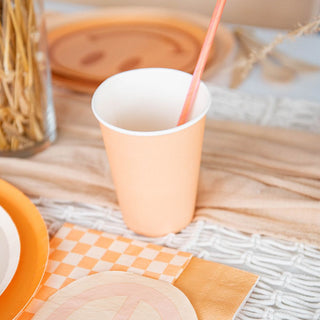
<point>87,48</point>
<point>34,251</point>
<point>117,295</point>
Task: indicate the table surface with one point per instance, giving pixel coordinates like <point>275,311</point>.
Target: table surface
<point>289,287</point>
<point>306,48</point>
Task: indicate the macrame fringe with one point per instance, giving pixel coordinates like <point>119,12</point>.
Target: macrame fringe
<point>261,110</point>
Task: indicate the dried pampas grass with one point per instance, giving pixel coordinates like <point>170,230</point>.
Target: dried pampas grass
<point>257,53</point>
<point>22,66</point>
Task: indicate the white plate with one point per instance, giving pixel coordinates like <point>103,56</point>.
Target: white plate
<point>9,249</point>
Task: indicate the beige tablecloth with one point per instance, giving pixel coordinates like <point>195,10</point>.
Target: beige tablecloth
<point>253,179</point>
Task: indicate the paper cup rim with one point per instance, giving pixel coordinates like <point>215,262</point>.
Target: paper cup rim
<point>148,133</point>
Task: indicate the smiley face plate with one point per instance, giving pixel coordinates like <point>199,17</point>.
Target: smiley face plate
<point>117,295</point>
<point>88,48</point>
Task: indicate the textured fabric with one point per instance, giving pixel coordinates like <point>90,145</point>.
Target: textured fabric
<point>253,178</point>
<point>261,180</point>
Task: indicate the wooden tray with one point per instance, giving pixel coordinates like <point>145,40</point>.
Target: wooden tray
<point>87,48</point>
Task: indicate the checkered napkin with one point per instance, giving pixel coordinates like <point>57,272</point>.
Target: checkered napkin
<point>76,252</point>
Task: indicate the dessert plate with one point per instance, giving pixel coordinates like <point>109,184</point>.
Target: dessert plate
<point>34,251</point>
<point>9,249</point>
<point>117,295</point>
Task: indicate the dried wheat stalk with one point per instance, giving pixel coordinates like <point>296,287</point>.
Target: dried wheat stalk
<point>22,92</point>
<point>256,56</point>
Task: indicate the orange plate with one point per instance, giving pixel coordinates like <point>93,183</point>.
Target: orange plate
<point>86,48</point>
<point>34,251</point>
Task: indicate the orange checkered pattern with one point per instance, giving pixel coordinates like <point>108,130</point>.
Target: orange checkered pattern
<point>76,252</point>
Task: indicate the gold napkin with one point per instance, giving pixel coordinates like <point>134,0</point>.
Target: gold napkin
<point>216,291</point>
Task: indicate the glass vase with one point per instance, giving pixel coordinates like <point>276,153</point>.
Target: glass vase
<point>27,118</point>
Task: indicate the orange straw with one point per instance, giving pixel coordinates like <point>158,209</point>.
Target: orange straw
<point>201,63</point>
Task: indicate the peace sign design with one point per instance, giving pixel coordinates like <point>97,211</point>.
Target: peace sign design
<point>114,295</point>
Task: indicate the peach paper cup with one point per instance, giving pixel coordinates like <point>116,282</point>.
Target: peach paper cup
<point>154,164</point>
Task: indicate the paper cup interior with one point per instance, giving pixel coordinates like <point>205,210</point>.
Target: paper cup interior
<point>147,100</point>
